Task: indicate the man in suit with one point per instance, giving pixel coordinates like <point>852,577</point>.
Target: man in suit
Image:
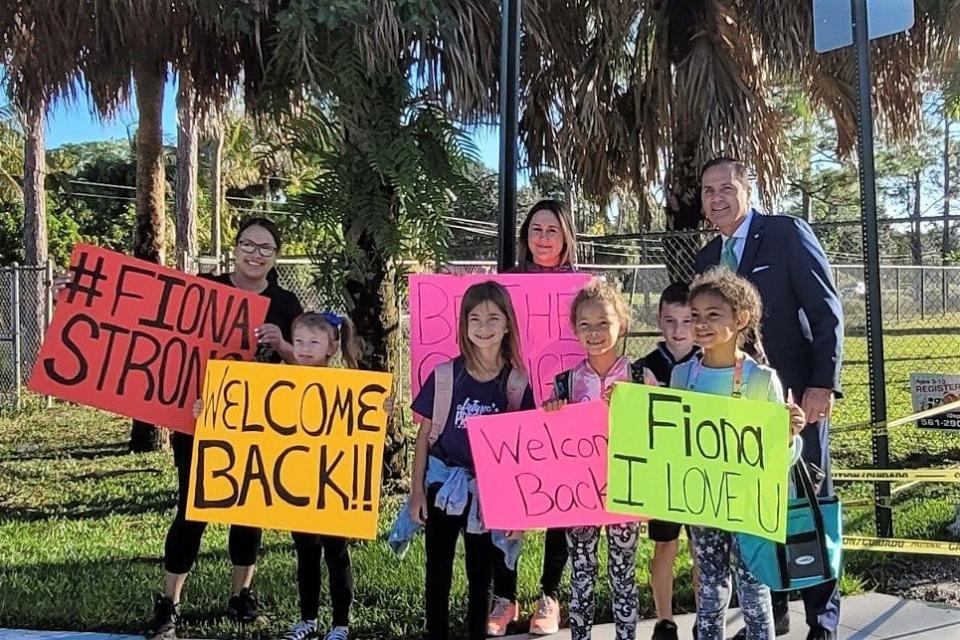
<point>802,329</point>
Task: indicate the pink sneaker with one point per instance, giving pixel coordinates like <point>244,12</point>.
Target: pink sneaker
<point>547,618</point>
<point>502,613</point>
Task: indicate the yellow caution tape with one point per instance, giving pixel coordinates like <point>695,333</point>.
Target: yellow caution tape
<point>896,475</point>
<point>883,425</point>
<point>901,545</point>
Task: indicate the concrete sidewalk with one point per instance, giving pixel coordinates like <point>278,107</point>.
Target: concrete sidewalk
<point>20,634</point>
<point>872,616</point>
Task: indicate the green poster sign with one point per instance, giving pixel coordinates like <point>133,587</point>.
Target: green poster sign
<point>699,459</point>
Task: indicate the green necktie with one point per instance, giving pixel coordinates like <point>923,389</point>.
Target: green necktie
<point>728,257</point>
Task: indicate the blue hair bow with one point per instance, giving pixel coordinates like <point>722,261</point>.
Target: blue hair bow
<point>334,319</point>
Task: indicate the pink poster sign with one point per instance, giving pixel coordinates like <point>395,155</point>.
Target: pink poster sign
<point>538,469</point>
<point>541,302</point>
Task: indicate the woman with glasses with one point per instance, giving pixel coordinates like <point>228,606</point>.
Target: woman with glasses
<point>255,256</point>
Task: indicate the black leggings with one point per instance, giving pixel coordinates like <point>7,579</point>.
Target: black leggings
<point>555,556</point>
<point>183,539</point>
<point>442,531</point>
<point>310,549</point>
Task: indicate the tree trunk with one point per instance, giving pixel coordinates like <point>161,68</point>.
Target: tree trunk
<point>916,238</point>
<point>373,307</point>
<point>945,248</point>
<point>686,20</point>
<point>683,212</point>
<point>372,281</point>
<point>34,231</point>
<point>216,195</point>
<point>186,189</point>
<point>149,233</point>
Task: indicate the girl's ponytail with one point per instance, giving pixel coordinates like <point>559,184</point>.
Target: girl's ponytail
<point>753,344</point>
<point>349,348</point>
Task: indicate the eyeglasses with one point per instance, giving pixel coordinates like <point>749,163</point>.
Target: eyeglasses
<point>265,250</point>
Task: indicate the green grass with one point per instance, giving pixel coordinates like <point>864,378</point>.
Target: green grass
<point>82,521</point>
<point>81,536</point>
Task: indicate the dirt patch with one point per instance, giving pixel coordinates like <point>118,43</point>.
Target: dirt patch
<point>932,579</point>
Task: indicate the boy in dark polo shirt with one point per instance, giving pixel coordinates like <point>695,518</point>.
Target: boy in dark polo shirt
<point>676,326</point>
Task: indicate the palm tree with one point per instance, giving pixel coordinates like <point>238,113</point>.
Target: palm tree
<point>105,45</point>
<point>188,137</point>
<point>379,78</point>
<point>11,153</point>
<point>642,93</point>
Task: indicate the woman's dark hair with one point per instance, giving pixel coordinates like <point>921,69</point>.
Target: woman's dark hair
<point>266,223</point>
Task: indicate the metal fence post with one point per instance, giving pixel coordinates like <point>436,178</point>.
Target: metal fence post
<point>48,312</point>
<point>943,290</point>
<point>896,271</point>
<point>15,333</point>
<point>923,287</point>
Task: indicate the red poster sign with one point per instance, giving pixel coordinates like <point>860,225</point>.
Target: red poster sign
<point>132,337</point>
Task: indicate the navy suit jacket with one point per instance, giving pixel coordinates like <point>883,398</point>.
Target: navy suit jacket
<point>802,322</point>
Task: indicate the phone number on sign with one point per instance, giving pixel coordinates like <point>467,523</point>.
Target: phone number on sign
<point>941,423</point>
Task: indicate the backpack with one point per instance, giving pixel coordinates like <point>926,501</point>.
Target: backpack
<point>563,381</point>
<point>517,384</point>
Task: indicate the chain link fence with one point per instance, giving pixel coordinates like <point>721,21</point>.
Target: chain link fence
<point>920,303</point>
<point>25,311</point>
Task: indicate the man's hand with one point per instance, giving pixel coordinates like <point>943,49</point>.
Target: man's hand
<point>817,403</point>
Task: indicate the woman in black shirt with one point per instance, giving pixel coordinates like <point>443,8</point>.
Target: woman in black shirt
<point>258,243</point>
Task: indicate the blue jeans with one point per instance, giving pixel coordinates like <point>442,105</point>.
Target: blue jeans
<point>717,556</point>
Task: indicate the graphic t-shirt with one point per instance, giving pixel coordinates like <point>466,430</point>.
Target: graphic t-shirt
<point>470,398</point>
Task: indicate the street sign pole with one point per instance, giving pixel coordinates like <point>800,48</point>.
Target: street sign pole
<point>871,248</point>
<point>509,115</point>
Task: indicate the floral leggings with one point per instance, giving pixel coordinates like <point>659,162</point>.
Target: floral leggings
<point>622,542</point>
<point>715,553</point>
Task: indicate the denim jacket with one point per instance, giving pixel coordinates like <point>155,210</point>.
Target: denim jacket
<point>458,487</point>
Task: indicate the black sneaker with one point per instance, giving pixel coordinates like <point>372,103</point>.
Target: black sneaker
<point>165,618</point>
<point>245,608</point>
<point>665,630</point>
<point>781,622</point>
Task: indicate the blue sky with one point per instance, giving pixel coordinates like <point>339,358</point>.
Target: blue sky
<point>74,123</point>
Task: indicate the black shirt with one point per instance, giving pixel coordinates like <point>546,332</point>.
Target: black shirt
<point>284,308</point>
<point>661,362</point>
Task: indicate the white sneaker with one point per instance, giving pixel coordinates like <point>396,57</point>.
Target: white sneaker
<point>338,633</point>
<point>303,630</point>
